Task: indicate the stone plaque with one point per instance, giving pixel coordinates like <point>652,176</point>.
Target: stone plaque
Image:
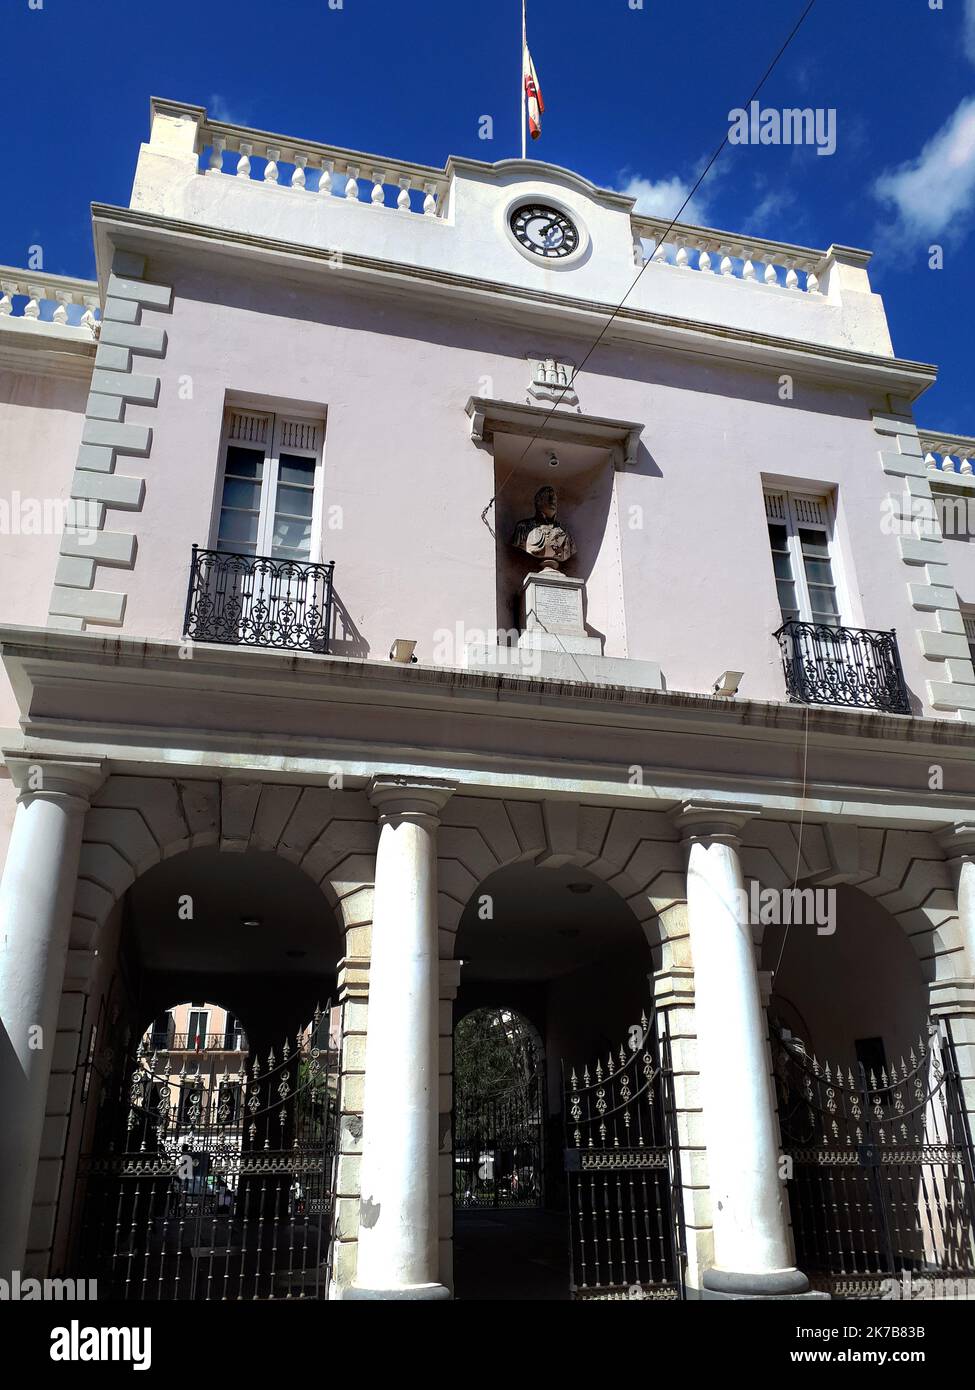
<point>554,606</point>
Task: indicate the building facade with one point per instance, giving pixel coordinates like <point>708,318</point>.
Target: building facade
<point>408,613</point>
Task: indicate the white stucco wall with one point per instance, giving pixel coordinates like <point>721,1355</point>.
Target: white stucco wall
<point>412,555</point>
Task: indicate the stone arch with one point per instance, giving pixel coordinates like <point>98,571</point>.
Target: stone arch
<point>903,870</point>
<point>136,822</point>
<point>637,853</point>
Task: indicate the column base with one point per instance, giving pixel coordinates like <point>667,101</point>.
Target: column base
<point>404,1293</point>
<point>778,1283</point>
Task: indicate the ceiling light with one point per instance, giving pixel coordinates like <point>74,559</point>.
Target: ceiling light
<point>553,459</point>
<point>252,921</point>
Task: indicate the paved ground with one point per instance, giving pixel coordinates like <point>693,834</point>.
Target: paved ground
<point>511,1255</point>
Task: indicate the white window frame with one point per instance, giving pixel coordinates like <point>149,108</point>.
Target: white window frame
<point>792,519</point>
<point>276,428</point>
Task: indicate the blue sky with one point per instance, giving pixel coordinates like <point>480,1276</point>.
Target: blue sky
<point>636,99</point>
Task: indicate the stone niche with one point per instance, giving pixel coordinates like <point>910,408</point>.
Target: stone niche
<point>560,614</point>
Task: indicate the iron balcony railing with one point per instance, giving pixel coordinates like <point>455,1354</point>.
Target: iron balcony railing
<point>198,1042</point>
<point>849,666</point>
<point>257,601</point>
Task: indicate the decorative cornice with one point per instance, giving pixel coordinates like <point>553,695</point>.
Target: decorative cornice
<point>153,232</point>
<point>491,417</point>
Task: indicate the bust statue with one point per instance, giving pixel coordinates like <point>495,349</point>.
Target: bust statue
<point>542,536</point>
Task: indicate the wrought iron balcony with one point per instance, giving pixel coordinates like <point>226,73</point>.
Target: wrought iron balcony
<point>256,601</point>
<point>849,666</point>
<point>234,1041</point>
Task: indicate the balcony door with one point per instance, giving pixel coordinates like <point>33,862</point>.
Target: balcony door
<point>271,500</point>
<point>800,530</point>
<point>269,528</point>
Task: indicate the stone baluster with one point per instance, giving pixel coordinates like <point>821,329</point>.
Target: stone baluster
<point>88,319</point>
<point>352,184</point>
<point>430,200</point>
<point>704,259</point>
<point>930,461</point>
<point>771,274</point>
<point>748,265</point>
<point>403,196</point>
<point>298,177</point>
<point>727,266</point>
<point>791,276</point>
<point>271,167</point>
<point>964,464</point>
<point>60,314</point>
<point>947,463</point>
<point>6,300</point>
<point>378,195</point>
<point>659,252</point>
<point>243,170</point>
<point>812,283</point>
<point>682,259</point>
<point>325,178</point>
<point>639,259</point>
<point>32,309</point>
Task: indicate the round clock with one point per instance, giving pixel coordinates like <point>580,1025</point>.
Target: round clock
<point>544,231</point>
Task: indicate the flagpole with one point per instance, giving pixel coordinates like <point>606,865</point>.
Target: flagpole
<point>524,94</point>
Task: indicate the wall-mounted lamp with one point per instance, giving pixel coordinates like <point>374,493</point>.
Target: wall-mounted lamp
<point>553,459</point>
<point>727,683</point>
<point>402,651</point>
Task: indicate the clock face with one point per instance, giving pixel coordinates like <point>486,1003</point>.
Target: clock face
<point>545,231</point>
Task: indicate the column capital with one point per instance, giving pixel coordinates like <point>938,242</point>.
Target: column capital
<point>952,998</point>
<point>54,777</point>
<point>958,839</point>
<point>409,796</point>
<point>449,978</point>
<point>711,820</point>
<point>352,979</point>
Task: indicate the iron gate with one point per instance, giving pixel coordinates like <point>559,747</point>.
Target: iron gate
<point>498,1146</point>
<point>882,1185</point>
<point>207,1183</point>
<point>626,1227</point>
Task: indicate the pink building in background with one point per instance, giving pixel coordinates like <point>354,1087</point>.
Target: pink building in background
<point>361,653</point>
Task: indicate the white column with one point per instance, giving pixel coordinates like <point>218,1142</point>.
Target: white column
<point>398,1253</point>
<point>36,903</point>
<point>752,1246</point>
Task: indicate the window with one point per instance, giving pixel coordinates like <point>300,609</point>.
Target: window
<point>800,531</point>
<point>270,503</point>
<point>197,1030</point>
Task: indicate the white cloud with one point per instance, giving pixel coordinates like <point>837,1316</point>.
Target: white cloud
<point>772,205</point>
<point>936,191</point>
<point>218,110</point>
<point>663,198</point>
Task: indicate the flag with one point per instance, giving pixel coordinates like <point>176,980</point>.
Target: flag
<point>533,94</point>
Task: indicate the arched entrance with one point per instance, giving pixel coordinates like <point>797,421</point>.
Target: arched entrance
<point>556,984</point>
<point>207,1116</point>
<point>875,1136</point>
